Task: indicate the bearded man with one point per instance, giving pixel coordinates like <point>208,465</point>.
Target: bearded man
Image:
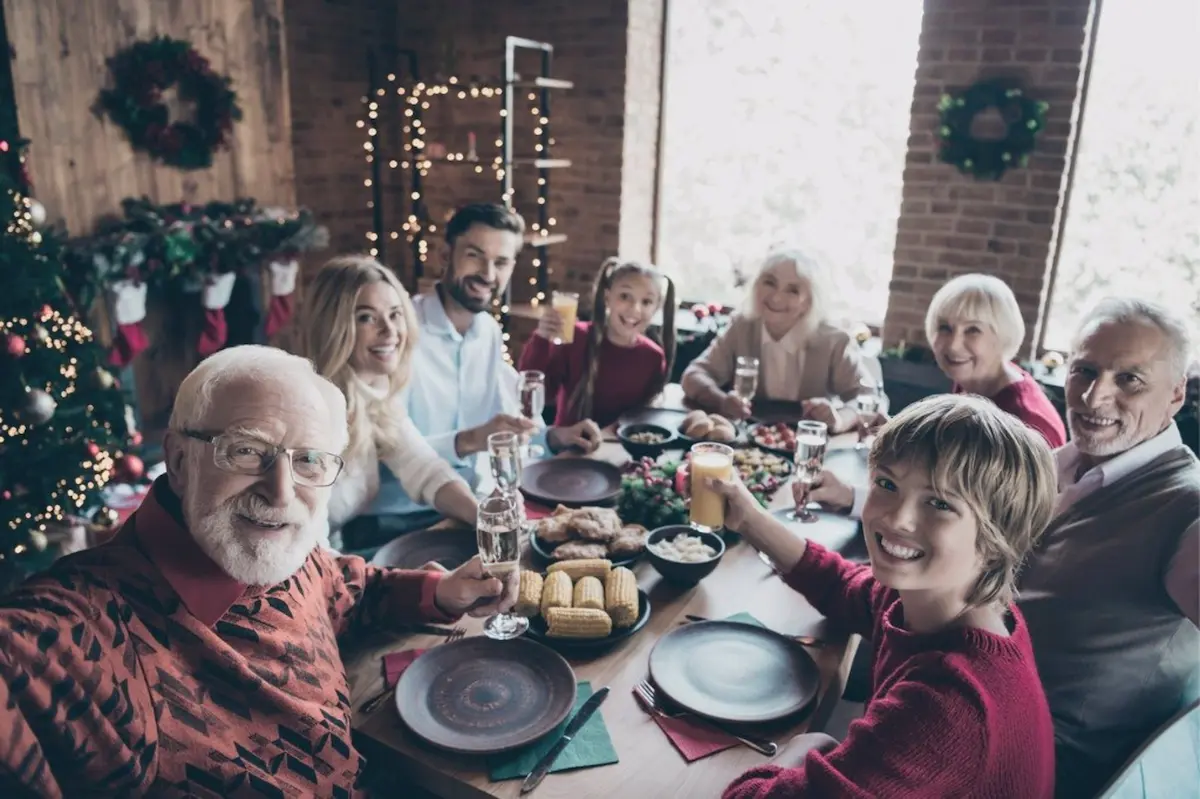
<point>197,652</point>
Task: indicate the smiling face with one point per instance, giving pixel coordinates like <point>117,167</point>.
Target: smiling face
<point>379,331</point>
<point>632,300</point>
<point>1120,390</point>
<point>919,539</point>
<point>482,260</point>
<point>781,296</point>
<point>968,351</point>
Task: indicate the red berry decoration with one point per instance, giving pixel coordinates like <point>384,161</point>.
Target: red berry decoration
<point>93,449</point>
<point>129,468</point>
<point>135,439</point>
<point>700,311</point>
<point>14,345</point>
<point>715,308</point>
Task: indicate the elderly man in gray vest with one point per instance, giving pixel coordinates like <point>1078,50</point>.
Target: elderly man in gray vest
<point>1112,594</point>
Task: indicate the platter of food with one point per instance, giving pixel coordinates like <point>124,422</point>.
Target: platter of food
<point>778,437</point>
<point>582,604</point>
<point>587,533</point>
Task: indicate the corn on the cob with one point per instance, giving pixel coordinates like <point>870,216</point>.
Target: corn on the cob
<point>577,623</point>
<point>529,597</point>
<point>556,592</point>
<point>621,597</point>
<point>589,593</point>
<point>590,567</point>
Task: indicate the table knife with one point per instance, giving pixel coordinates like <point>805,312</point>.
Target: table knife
<point>576,724</point>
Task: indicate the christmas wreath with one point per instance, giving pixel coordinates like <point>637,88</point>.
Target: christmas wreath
<point>988,159</point>
<point>142,73</point>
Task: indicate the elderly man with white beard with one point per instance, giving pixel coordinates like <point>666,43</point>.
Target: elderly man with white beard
<point>197,652</point>
<point>1111,593</point>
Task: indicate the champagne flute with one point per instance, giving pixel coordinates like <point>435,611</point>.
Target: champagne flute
<point>532,390</point>
<point>504,456</point>
<point>811,438</point>
<point>498,536</point>
<point>866,405</point>
<point>745,381</point>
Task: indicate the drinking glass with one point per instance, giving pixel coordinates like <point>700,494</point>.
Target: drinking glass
<point>745,380</point>
<point>866,404</point>
<point>811,438</point>
<point>709,459</point>
<point>532,390</point>
<point>498,536</point>
<point>567,305</point>
<point>504,456</point>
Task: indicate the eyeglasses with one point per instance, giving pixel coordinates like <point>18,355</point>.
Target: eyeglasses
<point>243,454</point>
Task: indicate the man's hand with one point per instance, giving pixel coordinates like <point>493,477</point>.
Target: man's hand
<point>468,442</point>
<point>470,589</point>
<point>826,489</point>
<point>734,407</point>
<point>584,435</point>
<point>550,324</point>
<point>822,410</point>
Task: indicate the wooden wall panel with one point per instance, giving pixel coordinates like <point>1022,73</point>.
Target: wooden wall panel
<point>83,166</point>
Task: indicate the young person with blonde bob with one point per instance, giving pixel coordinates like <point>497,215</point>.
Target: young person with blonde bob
<point>611,366</point>
<point>960,492</point>
<point>360,335</point>
<point>802,358</point>
<point>975,329</point>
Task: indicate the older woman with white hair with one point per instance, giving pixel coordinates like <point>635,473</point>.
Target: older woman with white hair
<point>801,357</point>
<point>975,329</point>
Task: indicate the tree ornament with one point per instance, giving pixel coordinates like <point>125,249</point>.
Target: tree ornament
<point>102,378</point>
<point>129,468</point>
<point>38,407</point>
<point>105,517</point>
<point>135,439</point>
<point>93,449</point>
<point>37,212</point>
<point>38,540</point>
<point>988,159</point>
<point>41,334</point>
<point>14,345</point>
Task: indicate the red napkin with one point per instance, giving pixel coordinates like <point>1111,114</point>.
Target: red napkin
<point>693,739</point>
<point>395,663</point>
<point>534,510</point>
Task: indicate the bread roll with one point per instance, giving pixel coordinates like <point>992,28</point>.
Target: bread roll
<point>717,419</point>
<point>691,419</point>
<point>722,432</point>
<point>700,429</point>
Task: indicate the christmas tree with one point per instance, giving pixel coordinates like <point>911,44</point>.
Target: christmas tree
<point>62,415</point>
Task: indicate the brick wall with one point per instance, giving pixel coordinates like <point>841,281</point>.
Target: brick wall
<point>951,224</point>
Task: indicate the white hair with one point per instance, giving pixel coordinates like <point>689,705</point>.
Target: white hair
<point>807,270</point>
<point>981,298</point>
<point>1129,310</point>
<point>253,362</point>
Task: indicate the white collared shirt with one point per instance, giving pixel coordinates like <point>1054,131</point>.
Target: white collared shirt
<point>782,364</point>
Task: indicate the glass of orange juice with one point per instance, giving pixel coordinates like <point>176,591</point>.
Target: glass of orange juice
<point>708,507</point>
<point>567,305</point>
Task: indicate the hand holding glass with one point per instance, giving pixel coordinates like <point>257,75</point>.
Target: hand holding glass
<point>867,406</point>
<point>707,512</point>
<point>532,389</point>
<point>566,303</point>
<point>498,535</point>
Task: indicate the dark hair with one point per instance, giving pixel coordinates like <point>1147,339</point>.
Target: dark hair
<point>492,215</point>
<point>613,270</point>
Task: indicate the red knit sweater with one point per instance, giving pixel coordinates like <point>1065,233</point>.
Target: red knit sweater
<point>1026,400</point>
<point>955,714</point>
<point>623,380</point>
<point>140,668</point>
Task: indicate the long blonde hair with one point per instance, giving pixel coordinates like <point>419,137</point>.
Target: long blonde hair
<point>329,339</point>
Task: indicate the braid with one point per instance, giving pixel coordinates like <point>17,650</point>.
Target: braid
<point>581,398</point>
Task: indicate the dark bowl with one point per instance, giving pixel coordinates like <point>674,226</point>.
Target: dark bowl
<point>641,450</point>
<point>677,571</point>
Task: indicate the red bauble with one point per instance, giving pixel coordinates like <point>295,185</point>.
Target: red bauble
<point>129,468</point>
<point>15,345</point>
<point>715,308</point>
<point>700,311</point>
<point>135,439</point>
<point>93,448</point>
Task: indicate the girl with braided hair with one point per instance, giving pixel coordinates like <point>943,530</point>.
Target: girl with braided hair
<point>612,365</point>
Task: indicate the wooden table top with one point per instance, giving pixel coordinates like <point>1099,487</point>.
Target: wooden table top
<point>649,764</point>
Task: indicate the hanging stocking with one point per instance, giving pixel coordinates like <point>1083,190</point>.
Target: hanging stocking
<point>215,296</point>
<point>283,297</point>
<point>128,301</point>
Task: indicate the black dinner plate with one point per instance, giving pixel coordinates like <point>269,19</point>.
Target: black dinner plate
<point>574,482</point>
<point>546,553</point>
<point>572,646</point>
<point>450,548</point>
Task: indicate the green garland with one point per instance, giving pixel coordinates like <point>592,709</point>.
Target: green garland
<point>989,160</point>
<point>141,73</point>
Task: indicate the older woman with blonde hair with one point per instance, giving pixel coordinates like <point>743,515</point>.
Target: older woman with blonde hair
<point>360,334</point>
<point>975,329</point>
<point>801,357</point>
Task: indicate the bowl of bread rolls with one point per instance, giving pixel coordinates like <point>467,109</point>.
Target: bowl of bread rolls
<point>582,604</point>
<point>702,426</point>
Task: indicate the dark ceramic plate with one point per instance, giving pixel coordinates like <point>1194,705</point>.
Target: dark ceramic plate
<point>734,672</point>
<point>573,646</point>
<point>450,548</point>
<point>574,482</point>
<point>669,418</point>
<point>479,696</point>
<point>545,553</point>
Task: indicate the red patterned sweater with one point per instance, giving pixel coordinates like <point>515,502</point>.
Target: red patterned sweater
<point>140,668</point>
<point>955,714</point>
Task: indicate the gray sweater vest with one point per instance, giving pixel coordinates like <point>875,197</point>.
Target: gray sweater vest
<point>1113,650</point>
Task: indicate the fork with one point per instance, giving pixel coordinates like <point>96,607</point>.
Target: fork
<point>646,694</point>
<point>375,702</point>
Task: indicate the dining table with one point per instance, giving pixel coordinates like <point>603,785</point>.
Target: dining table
<point>648,764</point>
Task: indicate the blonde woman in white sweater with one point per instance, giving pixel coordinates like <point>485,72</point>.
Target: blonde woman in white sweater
<point>360,332</point>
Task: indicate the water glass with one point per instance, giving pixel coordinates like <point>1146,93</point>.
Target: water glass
<point>504,457</point>
<point>498,536</point>
<point>811,439</point>
<point>531,388</point>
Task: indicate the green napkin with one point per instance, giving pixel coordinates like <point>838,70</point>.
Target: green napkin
<point>591,746</point>
<point>745,618</point>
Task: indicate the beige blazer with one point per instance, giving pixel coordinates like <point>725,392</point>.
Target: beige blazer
<point>831,364</point>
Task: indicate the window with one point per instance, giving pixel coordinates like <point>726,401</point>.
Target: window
<point>786,122</point>
<point>1133,220</point>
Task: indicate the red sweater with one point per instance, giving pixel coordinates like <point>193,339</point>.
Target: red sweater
<point>1026,400</point>
<point>140,668</point>
<point>958,713</point>
<point>623,380</point>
